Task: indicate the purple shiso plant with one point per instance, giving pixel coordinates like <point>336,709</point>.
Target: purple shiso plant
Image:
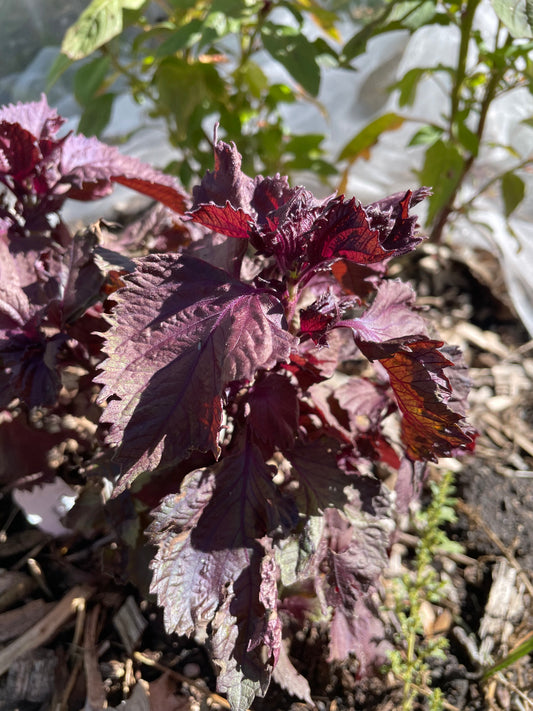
<point>259,374</point>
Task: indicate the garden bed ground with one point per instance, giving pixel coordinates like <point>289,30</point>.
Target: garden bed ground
<point>76,635</point>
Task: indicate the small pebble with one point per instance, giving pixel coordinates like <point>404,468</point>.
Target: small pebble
<point>192,670</point>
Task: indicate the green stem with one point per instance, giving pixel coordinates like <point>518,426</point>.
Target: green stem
<point>490,92</point>
<point>468,203</point>
<point>467,20</point>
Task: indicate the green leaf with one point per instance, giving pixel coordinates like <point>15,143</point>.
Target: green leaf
<point>516,15</point>
<point>61,64</point>
<point>253,77</point>
<point>183,37</point>
<point>414,14</point>
<point>467,138</point>
<point>359,146</point>
<point>407,86</point>
<point>184,87</point>
<point>98,23</point>
<point>513,191</point>
<point>299,56</point>
<point>96,116</point>
<point>426,135</point>
<point>523,649</point>
<point>89,78</point>
<point>442,168</point>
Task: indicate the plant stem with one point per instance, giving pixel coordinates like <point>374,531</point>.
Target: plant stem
<point>490,92</point>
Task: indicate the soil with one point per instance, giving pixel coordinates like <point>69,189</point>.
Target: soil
<point>102,642</point>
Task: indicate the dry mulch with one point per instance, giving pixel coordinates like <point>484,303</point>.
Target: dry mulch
<point>75,635</point>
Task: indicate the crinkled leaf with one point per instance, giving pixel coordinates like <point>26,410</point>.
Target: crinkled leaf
<point>210,569</point>
<point>416,369</point>
<point>316,320</point>
<point>182,330</point>
<point>343,232</point>
<point>36,117</point>
<point>285,233</point>
<point>391,315</point>
<point>81,278</point>
<point>269,195</point>
<point>18,153</point>
<point>391,218</point>
<point>226,183</point>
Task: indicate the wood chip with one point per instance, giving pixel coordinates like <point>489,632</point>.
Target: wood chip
<point>30,679</point>
<point>130,624</point>
<point>17,621</point>
<point>485,340</point>
<point>46,629</point>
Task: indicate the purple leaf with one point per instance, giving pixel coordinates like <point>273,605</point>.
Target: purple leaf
<point>359,631</point>
<point>29,363</point>
<point>354,553</point>
<point>273,393</point>
<point>15,309</point>
<point>408,487</point>
<point>18,152</point>
<point>285,233</point>
<point>416,370</point>
<point>227,220</point>
<point>391,218</point>
<point>343,232</point>
<point>391,315</point>
<point>286,676</point>
<point>366,403</point>
<point>269,195</point>
<point>91,167</point>
<point>316,320</point>
<point>35,117</point>
<point>227,183</point>
<point>181,332</point>
<point>80,280</point>
<point>316,481</point>
<point>210,569</point>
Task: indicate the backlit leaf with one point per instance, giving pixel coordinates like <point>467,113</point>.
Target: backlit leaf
<point>359,146</point>
<point>99,22</point>
<point>416,369</point>
<point>516,15</point>
<point>513,192</point>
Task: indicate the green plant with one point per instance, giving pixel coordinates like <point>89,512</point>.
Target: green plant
<point>487,66</point>
<point>197,62</point>
<point>410,660</point>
